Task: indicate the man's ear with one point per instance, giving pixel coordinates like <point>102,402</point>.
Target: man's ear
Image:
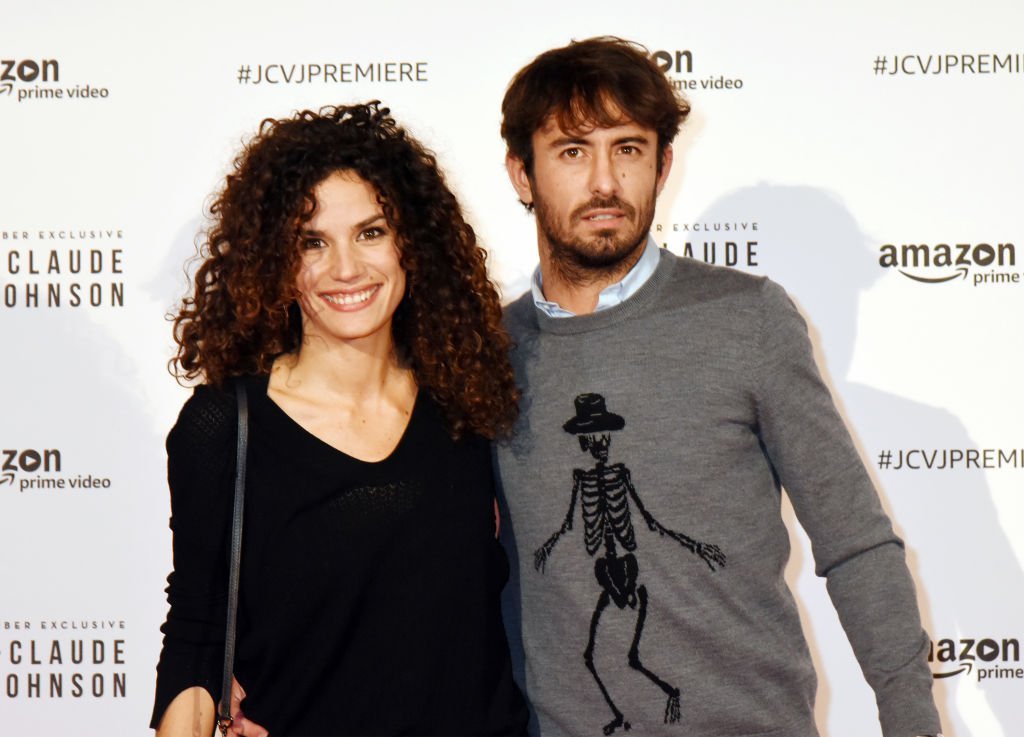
<point>520,179</point>
<point>666,167</point>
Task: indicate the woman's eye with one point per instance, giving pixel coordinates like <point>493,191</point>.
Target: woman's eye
<point>371,234</point>
<point>312,243</point>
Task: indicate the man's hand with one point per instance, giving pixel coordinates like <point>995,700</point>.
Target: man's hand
<point>242,727</point>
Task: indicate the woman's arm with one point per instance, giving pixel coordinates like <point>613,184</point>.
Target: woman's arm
<point>200,465</point>
<point>190,714</point>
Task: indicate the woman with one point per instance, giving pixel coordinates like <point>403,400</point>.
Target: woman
<point>342,286</point>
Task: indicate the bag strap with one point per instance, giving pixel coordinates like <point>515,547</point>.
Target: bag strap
<point>224,718</point>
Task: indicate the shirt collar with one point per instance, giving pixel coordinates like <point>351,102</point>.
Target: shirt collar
<point>610,296</point>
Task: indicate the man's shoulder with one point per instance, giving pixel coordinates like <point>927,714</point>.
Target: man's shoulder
<point>520,315</point>
<point>695,282</point>
<point>713,278</point>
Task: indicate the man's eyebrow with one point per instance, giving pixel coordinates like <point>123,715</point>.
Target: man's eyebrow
<point>567,141</point>
<point>578,141</point>
<point>632,139</point>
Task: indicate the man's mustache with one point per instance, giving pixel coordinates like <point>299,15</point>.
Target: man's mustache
<point>604,203</point>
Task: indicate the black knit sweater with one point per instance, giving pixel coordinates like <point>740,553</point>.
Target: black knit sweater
<point>369,591</point>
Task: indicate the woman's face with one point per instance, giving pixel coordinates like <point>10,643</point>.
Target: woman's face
<point>350,281</point>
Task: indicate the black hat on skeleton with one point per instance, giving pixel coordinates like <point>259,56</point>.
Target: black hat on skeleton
<point>592,417</point>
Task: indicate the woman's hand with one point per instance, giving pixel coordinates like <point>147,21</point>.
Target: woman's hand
<point>242,727</point>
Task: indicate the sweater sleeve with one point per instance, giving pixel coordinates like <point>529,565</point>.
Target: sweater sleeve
<point>852,539</point>
<point>200,472</point>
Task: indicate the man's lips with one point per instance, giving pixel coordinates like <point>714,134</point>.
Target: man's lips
<point>604,211</point>
<point>602,216</point>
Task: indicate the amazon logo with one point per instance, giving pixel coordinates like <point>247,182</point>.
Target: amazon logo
<point>987,658</point>
<point>944,262</point>
<point>13,461</point>
<point>27,70</point>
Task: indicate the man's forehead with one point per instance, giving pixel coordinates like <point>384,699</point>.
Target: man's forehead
<point>554,126</point>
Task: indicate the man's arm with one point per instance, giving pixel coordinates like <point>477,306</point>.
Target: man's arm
<point>854,545</point>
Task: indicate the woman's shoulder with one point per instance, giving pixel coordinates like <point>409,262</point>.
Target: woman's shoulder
<point>209,418</point>
<point>429,428</point>
<point>209,414</point>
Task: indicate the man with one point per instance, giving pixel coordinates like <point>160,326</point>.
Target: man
<point>665,403</point>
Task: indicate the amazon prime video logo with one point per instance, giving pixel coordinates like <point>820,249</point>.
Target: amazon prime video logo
<point>13,462</point>
<point>979,264</point>
<point>984,659</point>
<point>37,471</point>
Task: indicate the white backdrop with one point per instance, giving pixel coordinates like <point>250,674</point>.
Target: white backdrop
<point>820,136</point>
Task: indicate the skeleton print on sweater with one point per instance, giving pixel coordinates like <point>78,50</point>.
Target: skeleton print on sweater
<point>604,493</point>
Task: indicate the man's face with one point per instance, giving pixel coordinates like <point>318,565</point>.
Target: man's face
<point>593,191</point>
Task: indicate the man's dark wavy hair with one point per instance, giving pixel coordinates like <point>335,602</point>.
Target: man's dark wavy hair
<point>598,81</point>
<point>243,312</point>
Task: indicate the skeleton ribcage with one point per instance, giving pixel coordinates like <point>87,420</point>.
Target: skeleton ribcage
<point>605,507</point>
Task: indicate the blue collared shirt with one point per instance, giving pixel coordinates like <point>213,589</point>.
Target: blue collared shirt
<point>610,296</point>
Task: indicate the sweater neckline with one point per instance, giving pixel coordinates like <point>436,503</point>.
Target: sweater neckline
<point>645,296</point>
<point>295,430</point>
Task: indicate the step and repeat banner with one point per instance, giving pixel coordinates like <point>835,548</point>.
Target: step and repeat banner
<point>866,155</point>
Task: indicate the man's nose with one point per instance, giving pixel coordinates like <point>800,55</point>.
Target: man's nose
<point>603,179</point>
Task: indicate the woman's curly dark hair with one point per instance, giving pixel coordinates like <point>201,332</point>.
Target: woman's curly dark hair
<point>243,312</point>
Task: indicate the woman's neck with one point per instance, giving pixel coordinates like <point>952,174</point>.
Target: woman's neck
<point>357,400</point>
<point>345,372</point>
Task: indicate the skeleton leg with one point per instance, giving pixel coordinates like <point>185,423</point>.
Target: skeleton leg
<point>588,658</point>
<point>672,707</point>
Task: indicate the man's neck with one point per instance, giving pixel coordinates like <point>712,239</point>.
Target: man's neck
<point>577,289</point>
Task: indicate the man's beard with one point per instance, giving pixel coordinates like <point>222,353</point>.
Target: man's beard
<point>607,253</point>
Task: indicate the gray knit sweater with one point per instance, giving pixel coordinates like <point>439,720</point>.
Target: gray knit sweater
<point>643,489</point>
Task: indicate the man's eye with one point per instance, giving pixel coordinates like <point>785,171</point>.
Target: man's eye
<point>572,153</point>
<point>629,150</point>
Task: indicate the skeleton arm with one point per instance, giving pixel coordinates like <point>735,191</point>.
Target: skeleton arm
<point>540,558</point>
<point>710,554</point>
